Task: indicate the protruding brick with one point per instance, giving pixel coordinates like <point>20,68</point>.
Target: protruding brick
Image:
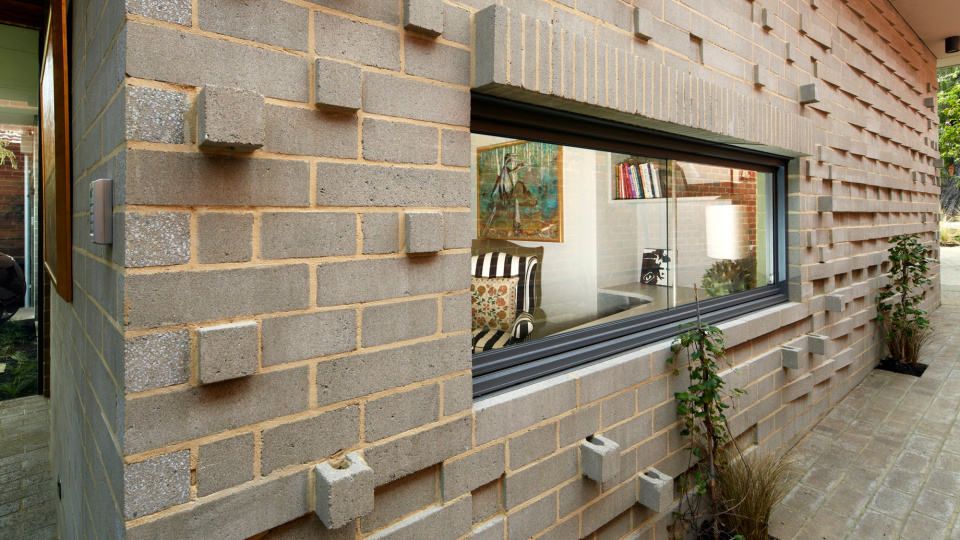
<point>343,492</point>
<point>643,23</point>
<point>790,357</point>
<point>834,302</point>
<point>227,351</point>
<point>655,490</point>
<point>339,85</point>
<point>817,343</point>
<point>762,77</point>
<point>809,93</point>
<point>230,118</point>
<point>766,19</point>
<point>600,459</point>
<point>423,16</point>
<point>424,231</point>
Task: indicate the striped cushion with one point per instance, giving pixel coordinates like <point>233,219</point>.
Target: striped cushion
<point>486,339</point>
<point>522,326</point>
<point>498,264</point>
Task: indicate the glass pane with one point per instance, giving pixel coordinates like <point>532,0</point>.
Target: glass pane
<point>19,234</point>
<point>567,238</point>
<point>721,230</point>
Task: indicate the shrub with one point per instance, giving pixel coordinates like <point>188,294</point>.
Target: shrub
<point>898,304</point>
<point>729,276</point>
<point>749,489</point>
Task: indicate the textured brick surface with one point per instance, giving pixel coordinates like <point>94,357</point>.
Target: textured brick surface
<point>224,237</point>
<point>175,178</point>
<point>441,522</point>
<point>380,142</point>
<point>299,337</point>
<point>156,360</point>
<point>268,21</point>
<point>466,473</point>
<point>286,235</point>
<point>399,321</point>
<point>344,184</point>
<point>173,56</point>
<point>381,232</point>
<point>310,439</point>
<point>156,239</point>
<point>360,374</point>
<point>343,492</point>
<point>172,298</point>
<point>402,411</point>
<point>400,498</point>
<point>405,455</point>
<point>349,282</point>
<point>346,39</point>
<point>155,115</point>
<point>156,420</point>
<point>253,509</point>
<point>292,130</point>
<point>156,483</point>
<point>224,463</point>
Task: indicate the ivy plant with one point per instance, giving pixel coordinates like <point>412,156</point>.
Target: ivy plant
<point>701,407</point>
<point>898,303</point>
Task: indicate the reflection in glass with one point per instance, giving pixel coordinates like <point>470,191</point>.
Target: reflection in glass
<point>583,237</point>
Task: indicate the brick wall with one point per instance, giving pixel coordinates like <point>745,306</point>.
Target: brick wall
<point>86,335</point>
<point>11,197</point>
<point>282,264</point>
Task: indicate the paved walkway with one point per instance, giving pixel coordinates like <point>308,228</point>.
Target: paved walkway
<point>26,489</point>
<point>885,462</point>
<point>950,276</point>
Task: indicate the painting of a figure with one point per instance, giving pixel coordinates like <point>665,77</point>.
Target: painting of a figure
<point>520,191</point>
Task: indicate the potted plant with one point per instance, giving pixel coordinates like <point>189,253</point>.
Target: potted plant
<point>901,318</point>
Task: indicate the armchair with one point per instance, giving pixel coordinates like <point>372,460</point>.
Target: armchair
<point>508,283</point>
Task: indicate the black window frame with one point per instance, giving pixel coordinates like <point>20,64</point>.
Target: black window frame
<point>500,369</point>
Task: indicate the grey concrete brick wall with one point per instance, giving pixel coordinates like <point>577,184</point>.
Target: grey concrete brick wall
<point>87,343</point>
<point>363,347</point>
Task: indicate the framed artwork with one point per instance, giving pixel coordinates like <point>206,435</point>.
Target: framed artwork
<point>520,191</point>
<point>55,151</point>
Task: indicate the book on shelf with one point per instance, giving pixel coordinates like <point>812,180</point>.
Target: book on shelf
<point>638,181</point>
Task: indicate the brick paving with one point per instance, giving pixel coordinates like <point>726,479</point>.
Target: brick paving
<point>27,491</point>
<point>885,462</point>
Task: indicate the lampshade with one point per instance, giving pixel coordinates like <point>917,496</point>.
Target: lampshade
<point>724,237</point>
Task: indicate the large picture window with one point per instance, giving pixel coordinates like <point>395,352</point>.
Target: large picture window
<point>587,246</point>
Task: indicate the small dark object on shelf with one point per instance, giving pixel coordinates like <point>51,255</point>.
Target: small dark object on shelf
<point>915,369</point>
